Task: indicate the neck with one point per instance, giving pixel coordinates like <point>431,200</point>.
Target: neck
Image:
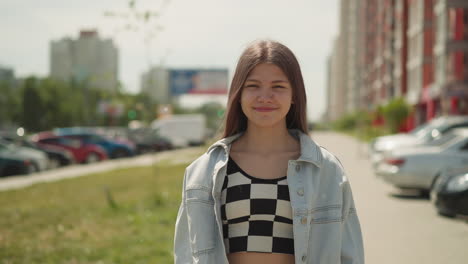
<point>267,140</point>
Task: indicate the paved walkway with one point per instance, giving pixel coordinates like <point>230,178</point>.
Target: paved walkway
<point>173,157</point>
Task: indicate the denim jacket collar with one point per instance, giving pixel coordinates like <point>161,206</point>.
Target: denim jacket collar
<point>310,151</point>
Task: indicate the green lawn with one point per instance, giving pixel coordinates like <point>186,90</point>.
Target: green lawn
<point>121,216</point>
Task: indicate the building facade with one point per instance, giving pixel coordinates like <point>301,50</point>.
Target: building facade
<point>452,53</point>
<point>88,59</point>
<point>155,83</point>
<point>415,49</point>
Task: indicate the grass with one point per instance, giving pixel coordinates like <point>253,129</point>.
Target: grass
<point>121,216</point>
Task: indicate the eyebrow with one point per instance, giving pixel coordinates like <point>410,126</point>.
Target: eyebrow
<point>257,81</point>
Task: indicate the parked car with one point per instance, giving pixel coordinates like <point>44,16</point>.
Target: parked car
<point>417,167</point>
<point>450,192</point>
<point>114,148</point>
<point>14,165</point>
<point>57,156</point>
<point>82,152</point>
<point>38,159</point>
<point>419,136</point>
<point>148,140</point>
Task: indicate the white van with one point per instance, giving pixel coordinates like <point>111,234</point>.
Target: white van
<point>182,130</point>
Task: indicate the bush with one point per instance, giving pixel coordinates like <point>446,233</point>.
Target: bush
<point>352,121</point>
<point>395,113</point>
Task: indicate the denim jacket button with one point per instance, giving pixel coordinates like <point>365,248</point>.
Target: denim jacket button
<point>304,220</point>
<point>304,257</point>
<point>298,167</point>
<point>300,191</point>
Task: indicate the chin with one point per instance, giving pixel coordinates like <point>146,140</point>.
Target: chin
<point>267,123</point>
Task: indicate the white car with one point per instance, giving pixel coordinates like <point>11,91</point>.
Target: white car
<point>421,135</point>
<point>418,167</point>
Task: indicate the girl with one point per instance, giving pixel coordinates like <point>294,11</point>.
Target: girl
<point>266,192</point>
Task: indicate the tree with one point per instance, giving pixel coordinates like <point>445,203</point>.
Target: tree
<point>10,104</point>
<point>395,113</point>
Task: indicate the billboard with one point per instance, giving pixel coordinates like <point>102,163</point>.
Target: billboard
<point>198,81</point>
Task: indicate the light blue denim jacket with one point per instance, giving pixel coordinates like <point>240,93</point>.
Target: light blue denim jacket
<point>325,224</point>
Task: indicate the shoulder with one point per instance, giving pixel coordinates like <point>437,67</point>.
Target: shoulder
<point>332,166</point>
<point>200,171</point>
<point>330,159</point>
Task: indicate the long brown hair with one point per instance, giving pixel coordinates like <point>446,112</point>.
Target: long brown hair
<point>266,51</point>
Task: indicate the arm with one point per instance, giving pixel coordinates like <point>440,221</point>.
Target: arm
<point>352,249</point>
<point>182,248</point>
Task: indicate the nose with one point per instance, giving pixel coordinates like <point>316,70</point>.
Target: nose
<point>265,95</point>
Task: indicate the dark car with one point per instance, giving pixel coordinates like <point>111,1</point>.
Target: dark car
<point>14,164</point>
<point>450,192</point>
<point>58,156</point>
<point>148,140</point>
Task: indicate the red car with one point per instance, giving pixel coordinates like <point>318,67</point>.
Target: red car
<point>83,153</point>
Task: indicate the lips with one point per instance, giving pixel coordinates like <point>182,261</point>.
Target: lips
<point>264,109</point>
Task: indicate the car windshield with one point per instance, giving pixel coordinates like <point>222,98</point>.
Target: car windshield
<point>425,132</point>
<point>5,145</point>
<point>431,130</point>
<point>417,129</point>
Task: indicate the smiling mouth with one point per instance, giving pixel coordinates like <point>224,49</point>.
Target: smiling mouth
<point>264,109</point>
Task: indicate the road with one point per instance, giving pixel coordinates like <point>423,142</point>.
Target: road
<point>397,228</point>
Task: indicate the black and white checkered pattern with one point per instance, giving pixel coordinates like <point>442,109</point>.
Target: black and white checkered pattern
<point>256,213</point>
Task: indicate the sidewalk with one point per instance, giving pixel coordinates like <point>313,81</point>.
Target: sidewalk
<point>173,156</point>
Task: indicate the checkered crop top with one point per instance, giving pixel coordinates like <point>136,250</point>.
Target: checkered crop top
<point>256,213</point>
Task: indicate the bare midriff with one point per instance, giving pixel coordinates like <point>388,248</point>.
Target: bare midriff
<point>260,258</point>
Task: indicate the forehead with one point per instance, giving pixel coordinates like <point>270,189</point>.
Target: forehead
<point>267,71</point>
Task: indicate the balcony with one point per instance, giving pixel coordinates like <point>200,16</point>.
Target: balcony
<point>457,4</point>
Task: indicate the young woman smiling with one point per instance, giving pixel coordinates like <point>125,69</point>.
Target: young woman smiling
<point>266,192</point>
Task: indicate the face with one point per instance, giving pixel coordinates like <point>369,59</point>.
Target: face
<point>266,96</point>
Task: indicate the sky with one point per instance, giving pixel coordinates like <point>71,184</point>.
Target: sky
<point>201,34</point>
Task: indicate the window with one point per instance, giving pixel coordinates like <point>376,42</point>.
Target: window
<point>74,143</point>
<point>49,141</point>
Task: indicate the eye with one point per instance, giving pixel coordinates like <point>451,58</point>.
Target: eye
<point>279,87</point>
<point>251,86</point>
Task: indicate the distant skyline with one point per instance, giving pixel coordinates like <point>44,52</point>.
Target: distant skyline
<point>204,33</point>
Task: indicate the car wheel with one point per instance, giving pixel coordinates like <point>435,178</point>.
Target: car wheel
<point>92,157</point>
<point>31,169</point>
<point>446,214</point>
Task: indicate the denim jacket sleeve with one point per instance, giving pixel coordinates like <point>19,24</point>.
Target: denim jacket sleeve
<point>352,249</point>
<point>182,248</point>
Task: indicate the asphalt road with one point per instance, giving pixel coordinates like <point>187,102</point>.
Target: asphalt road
<point>397,228</point>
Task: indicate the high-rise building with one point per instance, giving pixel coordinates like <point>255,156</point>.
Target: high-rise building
<point>353,52</point>
<point>420,66</point>
<point>88,59</point>
<point>335,92</point>
<point>450,91</point>
<point>338,85</point>
<point>155,83</point>
<point>400,47</point>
